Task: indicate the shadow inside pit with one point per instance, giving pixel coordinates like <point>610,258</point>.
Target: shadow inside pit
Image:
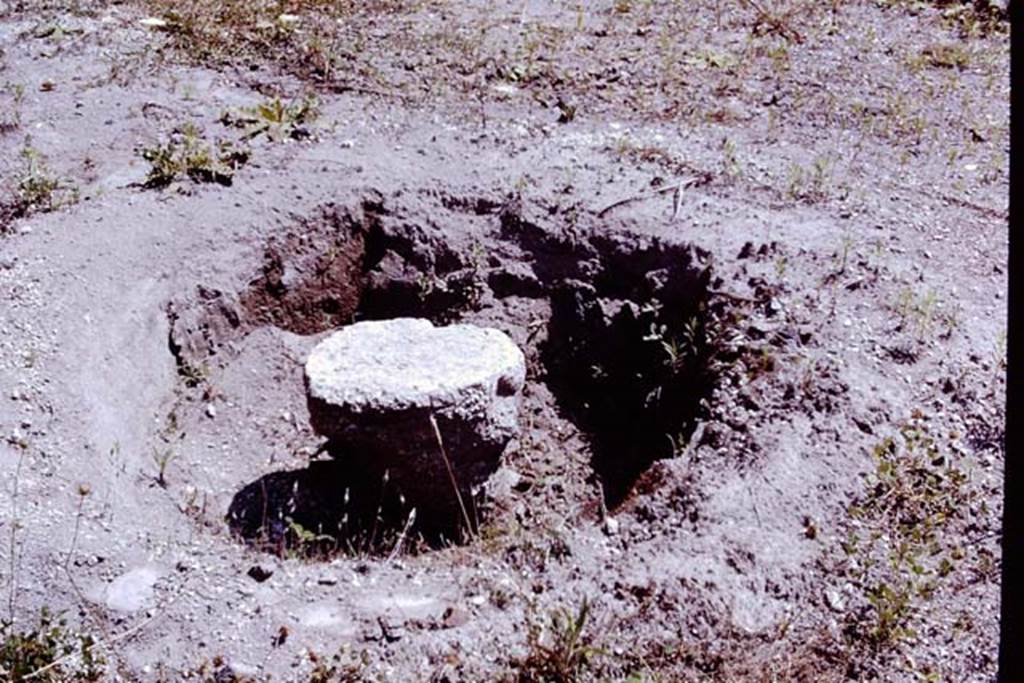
<point>632,372</point>
<point>325,510</point>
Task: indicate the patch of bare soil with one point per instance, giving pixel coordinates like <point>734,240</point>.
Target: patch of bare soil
<point>754,253</point>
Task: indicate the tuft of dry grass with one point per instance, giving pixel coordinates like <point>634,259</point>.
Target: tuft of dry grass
<point>37,189</point>
<point>310,38</point>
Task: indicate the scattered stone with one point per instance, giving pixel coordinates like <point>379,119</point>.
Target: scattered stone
<point>259,574</point>
<point>454,617</point>
<point>327,617</point>
<point>211,411</point>
<point>243,671</point>
<point>133,590</point>
<point>835,601</point>
<point>377,389</point>
<point>760,329</point>
<point>502,483</point>
<point>88,561</point>
<point>611,526</point>
<point>515,279</point>
<point>863,425</point>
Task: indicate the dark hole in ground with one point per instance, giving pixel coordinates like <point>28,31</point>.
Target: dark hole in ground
<point>629,352</point>
<point>631,341</point>
<point>629,356</point>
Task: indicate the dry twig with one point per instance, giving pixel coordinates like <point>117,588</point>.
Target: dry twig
<point>451,474</point>
<point>677,188</point>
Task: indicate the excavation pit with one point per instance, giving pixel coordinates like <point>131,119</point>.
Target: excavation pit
<point>625,348</point>
<point>628,355</point>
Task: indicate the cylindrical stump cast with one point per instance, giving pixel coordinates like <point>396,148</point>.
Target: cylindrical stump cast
<point>373,387</point>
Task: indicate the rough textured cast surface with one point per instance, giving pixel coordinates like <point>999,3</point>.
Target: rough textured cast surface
<point>373,386</point>
<point>405,363</point>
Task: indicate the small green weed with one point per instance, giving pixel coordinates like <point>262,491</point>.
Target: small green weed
<point>730,160</point>
<point>187,155</point>
<point>192,375</point>
<point>921,312</point>
<point>810,184</point>
<point>221,31</point>
<point>971,17</point>
<point>1000,351</point>
<point>565,655</point>
<point>213,671</point>
<point>781,265</point>
<point>162,459</point>
<point>275,118</point>
<point>10,111</point>
<point>681,352</point>
<point>947,55</point>
<point>713,59</point>
<point>37,189</point>
<point>345,666</point>
<point>699,346</point>
<point>48,653</point>
<point>305,540</point>
<point>917,490</point>
<point>975,17</point>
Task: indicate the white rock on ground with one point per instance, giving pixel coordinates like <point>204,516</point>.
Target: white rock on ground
<point>133,590</point>
<point>372,387</point>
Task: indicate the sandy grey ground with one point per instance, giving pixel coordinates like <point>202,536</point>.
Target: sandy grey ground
<point>846,283</point>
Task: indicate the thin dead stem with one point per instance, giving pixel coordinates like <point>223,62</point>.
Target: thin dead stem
<point>86,606</point>
<point>401,537</point>
<point>14,538</point>
<point>451,474</point>
<point>74,535</point>
<point>676,188</point>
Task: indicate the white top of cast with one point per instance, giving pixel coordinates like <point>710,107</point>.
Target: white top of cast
<point>385,365</point>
